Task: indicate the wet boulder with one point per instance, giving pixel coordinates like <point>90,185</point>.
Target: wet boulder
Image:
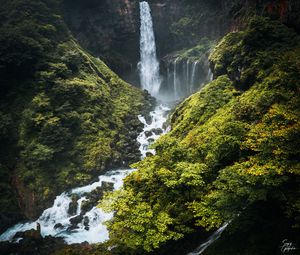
<point>58,226</point>
<point>157,131</point>
<point>30,234</point>
<point>75,221</point>
<point>73,205</point>
<point>92,199</point>
<point>148,133</point>
<point>94,196</point>
<point>107,186</point>
<point>148,119</point>
<point>149,154</point>
<point>150,140</point>
<point>86,222</point>
<point>86,206</point>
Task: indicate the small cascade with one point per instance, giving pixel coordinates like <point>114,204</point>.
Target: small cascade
<point>175,79</point>
<point>187,79</point>
<point>214,237</point>
<point>184,76</point>
<point>79,204</point>
<point>149,64</point>
<point>169,77</point>
<point>153,130</point>
<point>210,75</point>
<point>194,68</point>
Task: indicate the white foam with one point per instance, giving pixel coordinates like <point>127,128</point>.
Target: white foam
<point>55,221</point>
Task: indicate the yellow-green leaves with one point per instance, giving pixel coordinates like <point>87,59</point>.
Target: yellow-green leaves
<point>137,224</point>
<point>233,145</point>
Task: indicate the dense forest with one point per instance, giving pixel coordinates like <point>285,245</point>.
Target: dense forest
<point>222,135</point>
<point>63,112</point>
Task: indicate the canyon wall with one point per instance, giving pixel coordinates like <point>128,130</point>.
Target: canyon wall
<point>110,28</point>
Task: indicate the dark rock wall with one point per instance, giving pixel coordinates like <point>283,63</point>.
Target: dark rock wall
<point>110,28</point>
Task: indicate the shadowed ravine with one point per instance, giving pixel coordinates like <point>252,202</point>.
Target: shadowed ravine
<point>68,217</point>
<point>149,127</point>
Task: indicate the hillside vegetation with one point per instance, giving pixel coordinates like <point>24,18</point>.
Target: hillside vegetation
<point>233,149</point>
<point>65,117</point>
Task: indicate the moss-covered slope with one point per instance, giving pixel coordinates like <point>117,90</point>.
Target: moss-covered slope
<point>233,149</point>
<point>65,117</point>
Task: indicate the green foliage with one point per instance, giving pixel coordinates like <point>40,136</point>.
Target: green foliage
<point>145,226</point>
<point>246,55</point>
<point>198,52</point>
<point>228,148</point>
<point>194,16</point>
<point>64,114</point>
<point>182,26</point>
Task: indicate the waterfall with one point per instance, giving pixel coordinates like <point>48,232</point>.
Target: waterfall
<point>188,76</point>
<point>175,83</point>
<point>214,237</point>
<point>168,75</point>
<point>210,75</point>
<point>193,75</point>
<point>185,76</point>
<point>149,65</point>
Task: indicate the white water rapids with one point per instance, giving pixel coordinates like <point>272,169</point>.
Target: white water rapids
<point>55,221</point>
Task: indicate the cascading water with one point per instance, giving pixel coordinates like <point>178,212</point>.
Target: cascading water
<point>175,80</point>
<point>168,75</point>
<point>214,237</point>
<point>210,75</point>
<point>194,68</point>
<point>149,65</point>
<point>184,78</point>
<point>185,75</point>
<point>188,76</point>
<point>153,130</point>
<point>57,220</point>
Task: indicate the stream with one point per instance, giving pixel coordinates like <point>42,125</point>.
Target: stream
<point>89,226</point>
<point>69,217</point>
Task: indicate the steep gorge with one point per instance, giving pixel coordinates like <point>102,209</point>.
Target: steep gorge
<point>65,116</point>
<point>110,28</point>
<point>231,154</point>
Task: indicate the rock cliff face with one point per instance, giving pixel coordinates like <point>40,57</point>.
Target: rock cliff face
<point>27,200</point>
<point>110,28</point>
<point>107,28</point>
